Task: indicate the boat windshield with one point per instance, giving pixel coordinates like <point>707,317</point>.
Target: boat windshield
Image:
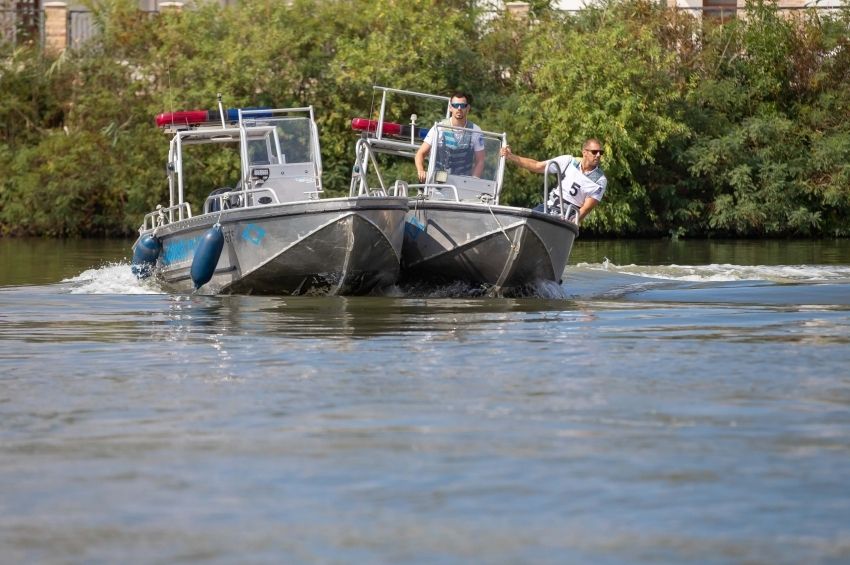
<point>278,141</point>
<point>281,154</point>
<point>465,162</point>
<point>272,154</point>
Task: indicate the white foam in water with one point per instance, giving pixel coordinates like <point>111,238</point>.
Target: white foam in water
<point>115,278</point>
<point>726,272</point>
<point>118,278</point>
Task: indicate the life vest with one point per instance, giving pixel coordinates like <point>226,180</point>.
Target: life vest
<point>455,152</point>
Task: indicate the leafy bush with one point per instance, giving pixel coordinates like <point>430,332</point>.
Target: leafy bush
<point>738,128</point>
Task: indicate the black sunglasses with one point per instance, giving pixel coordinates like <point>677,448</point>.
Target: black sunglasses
<point>596,151</point>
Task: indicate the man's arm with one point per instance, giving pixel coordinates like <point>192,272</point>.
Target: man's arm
<point>424,149</point>
<point>478,169</point>
<point>525,162</point>
<point>589,204</point>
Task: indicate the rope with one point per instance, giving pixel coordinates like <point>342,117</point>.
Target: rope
<point>490,207</point>
<point>419,198</point>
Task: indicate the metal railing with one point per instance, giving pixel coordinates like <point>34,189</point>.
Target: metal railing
<point>22,25</point>
<point>566,209</point>
<point>164,216</point>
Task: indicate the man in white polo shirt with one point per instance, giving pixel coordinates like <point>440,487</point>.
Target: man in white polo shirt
<point>458,152</point>
<point>582,180</point>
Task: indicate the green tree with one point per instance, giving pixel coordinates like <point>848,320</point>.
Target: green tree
<point>733,129</point>
<point>602,73</point>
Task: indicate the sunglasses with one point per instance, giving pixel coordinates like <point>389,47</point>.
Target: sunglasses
<point>596,151</point>
<point>459,105</point>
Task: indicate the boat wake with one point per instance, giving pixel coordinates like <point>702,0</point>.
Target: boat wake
<point>813,285</point>
<point>118,278</point>
<point>582,281</point>
<point>727,272</point>
<point>114,278</point>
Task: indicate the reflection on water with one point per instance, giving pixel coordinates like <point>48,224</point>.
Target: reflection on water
<point>342,318</point>
<point>44,261</point>
<point>655,415</point>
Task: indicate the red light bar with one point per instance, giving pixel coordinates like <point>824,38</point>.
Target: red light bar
<point>389,128</point>
<point>184,118</point>
<point>197,117</point>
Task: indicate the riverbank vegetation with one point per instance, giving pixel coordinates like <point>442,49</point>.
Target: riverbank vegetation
<point>739,128</point>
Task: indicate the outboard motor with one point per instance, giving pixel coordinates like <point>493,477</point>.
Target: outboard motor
<point>145,253</point>
<point>206,256</point>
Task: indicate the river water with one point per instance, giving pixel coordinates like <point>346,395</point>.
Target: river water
<point>672,402</point>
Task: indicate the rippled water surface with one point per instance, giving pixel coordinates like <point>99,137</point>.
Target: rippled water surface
<point>672,402</point>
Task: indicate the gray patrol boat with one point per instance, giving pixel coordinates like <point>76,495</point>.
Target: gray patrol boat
<point>456,229</point>
<point>274,232</point>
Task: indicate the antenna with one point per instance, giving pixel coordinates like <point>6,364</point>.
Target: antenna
<point>221,111</point>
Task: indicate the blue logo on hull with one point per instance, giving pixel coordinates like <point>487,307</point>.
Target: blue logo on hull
<point>179,250</point>
<point>253,233</point>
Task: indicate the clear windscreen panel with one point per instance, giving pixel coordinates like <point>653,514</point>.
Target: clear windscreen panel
<point>282,152</point>
<point>469,169</point>
<point>296,140</point>
<point>407,116</point>
<point>467,162</point>
<point>262,147</point>
<point>279,140</point>
<point>404,118</point>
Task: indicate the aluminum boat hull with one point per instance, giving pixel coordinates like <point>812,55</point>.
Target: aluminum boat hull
<point>497,246</point>
<point>345,246</point>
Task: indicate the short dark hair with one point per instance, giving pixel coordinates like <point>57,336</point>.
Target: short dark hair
<point>590,140</point>
<point>462,94</point>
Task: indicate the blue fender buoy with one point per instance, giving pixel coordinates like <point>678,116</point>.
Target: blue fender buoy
<point>145,253</point>
<point>206,256</point>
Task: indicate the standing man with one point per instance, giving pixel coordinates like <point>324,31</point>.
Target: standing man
<point>582,181</point>
<point>458,152</point>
